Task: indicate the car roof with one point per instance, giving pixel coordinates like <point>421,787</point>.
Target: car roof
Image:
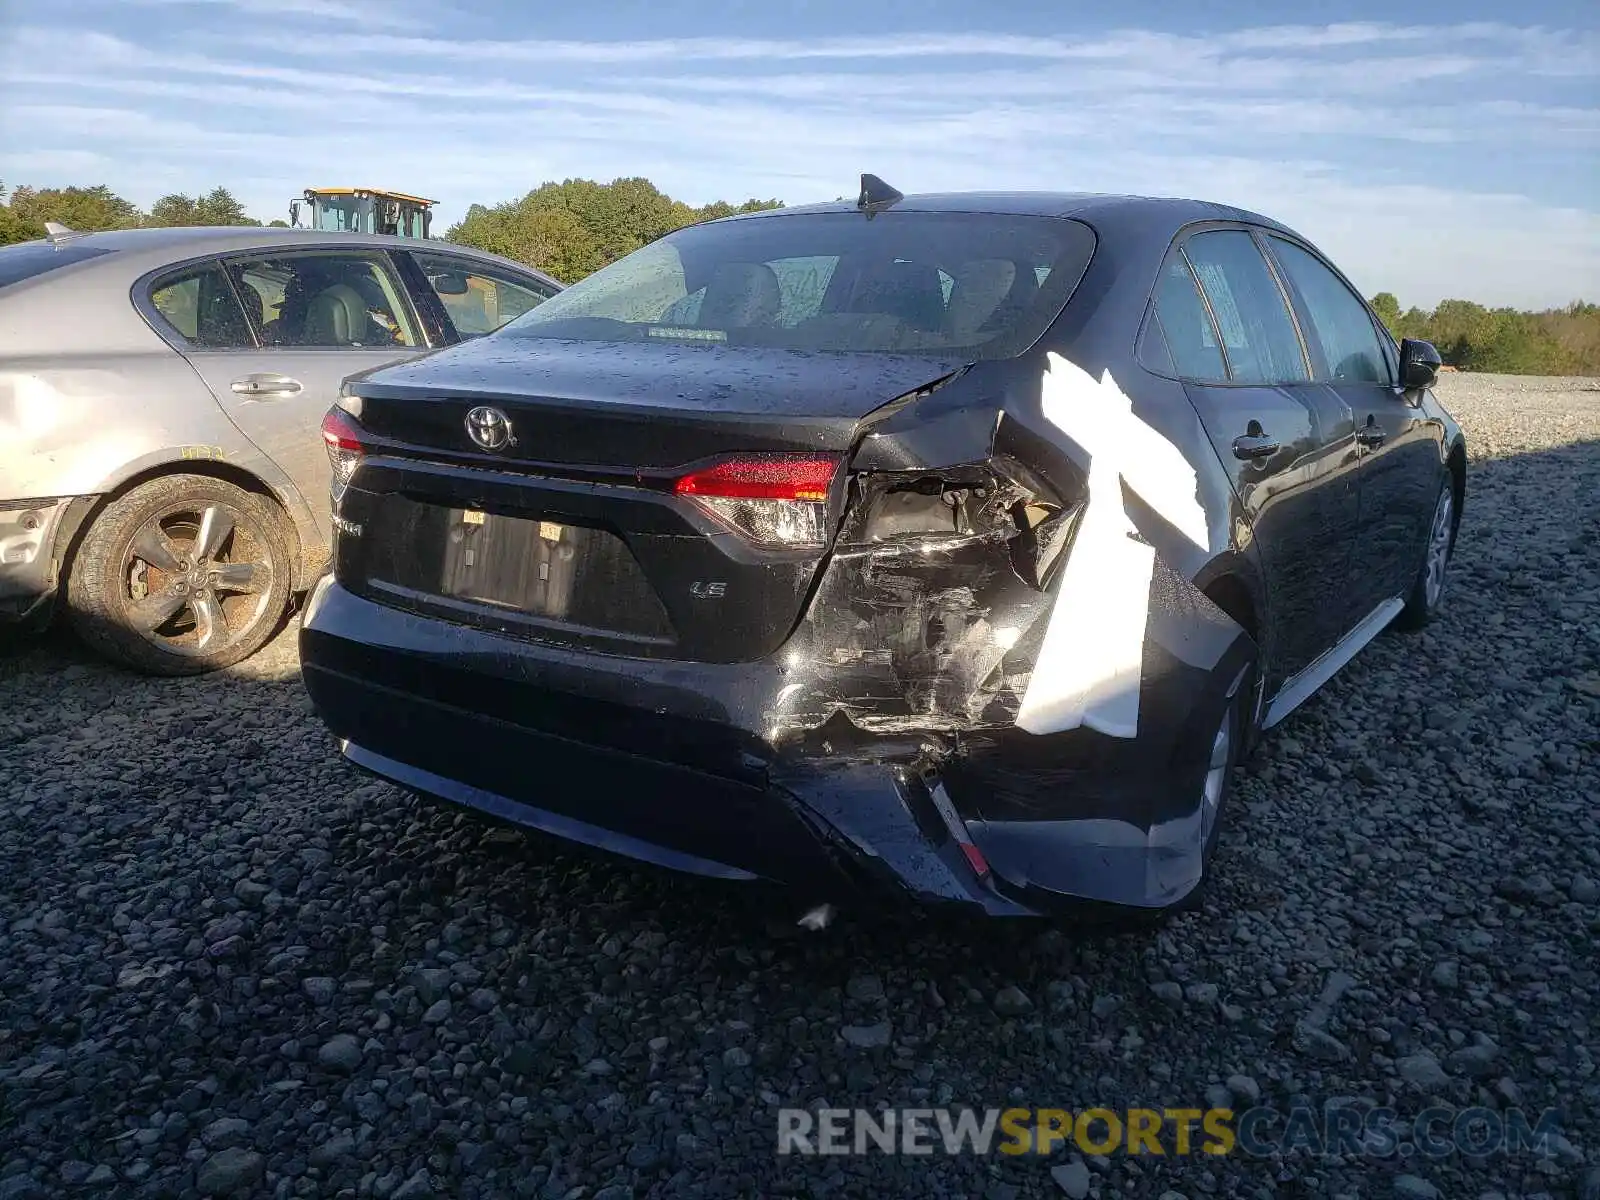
<point>137,251</point>
<point>1154,213</point>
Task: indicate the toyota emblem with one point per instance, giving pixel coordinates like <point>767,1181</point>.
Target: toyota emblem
<point>489,428</point>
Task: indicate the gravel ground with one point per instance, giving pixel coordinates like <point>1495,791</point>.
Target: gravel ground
<point>229,964</point>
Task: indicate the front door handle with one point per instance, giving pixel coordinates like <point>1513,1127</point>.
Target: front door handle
<point>265,386</point>
<point>1370,435</point>
<point>1253,445</point>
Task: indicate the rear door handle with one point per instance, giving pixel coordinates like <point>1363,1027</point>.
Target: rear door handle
<point>265,386</point>
<point>1251,446</point>
<point>1370,434</point>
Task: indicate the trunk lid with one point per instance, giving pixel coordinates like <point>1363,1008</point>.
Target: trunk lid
<point>635,407</point>
<point>592,526</point>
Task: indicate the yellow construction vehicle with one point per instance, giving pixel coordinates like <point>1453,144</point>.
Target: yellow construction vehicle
<point>365,210</point>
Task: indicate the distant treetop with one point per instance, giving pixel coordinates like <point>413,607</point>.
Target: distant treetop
<point>571,228</point>
<point>1558,341</point>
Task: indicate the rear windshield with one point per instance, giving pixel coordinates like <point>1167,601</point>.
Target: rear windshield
<point>968,285</point>
<point>27,259</point>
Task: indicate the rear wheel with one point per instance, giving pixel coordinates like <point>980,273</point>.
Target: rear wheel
<point>184,574</point>
<point>1228,744</point>
<point>1427,590</point>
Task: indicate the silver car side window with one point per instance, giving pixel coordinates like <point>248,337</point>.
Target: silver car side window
<point>476,301</point>
<point>344,301</point>
<point>201,307</point>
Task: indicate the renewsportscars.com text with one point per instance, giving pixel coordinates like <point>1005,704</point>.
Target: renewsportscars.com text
<point>1349,1130</point>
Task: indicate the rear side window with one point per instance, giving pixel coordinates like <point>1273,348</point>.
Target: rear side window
<point>26,260</point>
<point>1339,321</point>
<point>1190,336</point>
<point>203,308</point>
<point>1258,335</point>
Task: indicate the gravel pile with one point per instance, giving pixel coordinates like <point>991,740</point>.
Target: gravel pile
<point>231,965</point>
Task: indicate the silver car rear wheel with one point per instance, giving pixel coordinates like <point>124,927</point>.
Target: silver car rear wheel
<point>183,574</point>
<point>196,578</point>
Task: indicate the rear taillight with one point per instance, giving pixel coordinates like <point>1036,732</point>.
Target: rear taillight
<point>342,436</point>
<point>778,500</point>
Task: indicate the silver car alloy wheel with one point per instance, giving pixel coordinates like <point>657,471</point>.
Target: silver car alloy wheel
<point>197,578</point>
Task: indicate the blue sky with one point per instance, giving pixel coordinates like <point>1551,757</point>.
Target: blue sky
<point>1439,149</point>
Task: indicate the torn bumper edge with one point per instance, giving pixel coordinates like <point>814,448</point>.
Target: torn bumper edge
<point>29,535</point>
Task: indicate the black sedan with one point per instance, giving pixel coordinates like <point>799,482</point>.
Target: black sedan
<point>957,544</point>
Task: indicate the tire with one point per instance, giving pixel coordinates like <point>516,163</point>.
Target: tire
<point>140,595</point>
<point>1427,589</point>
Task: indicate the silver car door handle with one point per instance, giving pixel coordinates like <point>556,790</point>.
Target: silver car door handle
<point>261,386</point>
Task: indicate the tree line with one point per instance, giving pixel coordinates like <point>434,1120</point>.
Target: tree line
<point>571,228</point>
<point>1470,337</point>
<point>90,209</point>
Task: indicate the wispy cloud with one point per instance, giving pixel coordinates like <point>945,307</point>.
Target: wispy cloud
<point>1127,44</point>
<point>1430,160</point>
<point>351,11</point>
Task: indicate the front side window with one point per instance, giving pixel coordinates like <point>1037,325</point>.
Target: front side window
<point>201,306</point>
<point>1258,334</point>
<point>964,285</point>
<point>476,301</point>
<point>348,301</point>
<point>1342,327</point>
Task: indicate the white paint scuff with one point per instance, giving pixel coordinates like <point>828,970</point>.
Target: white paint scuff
<point>1088,669</point>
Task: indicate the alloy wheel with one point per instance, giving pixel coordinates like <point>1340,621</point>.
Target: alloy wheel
<point>197,578</point>
<point>1439,538</point>
<point>1216,782</point>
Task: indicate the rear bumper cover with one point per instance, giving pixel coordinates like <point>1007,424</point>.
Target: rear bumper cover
<point>666,762</point>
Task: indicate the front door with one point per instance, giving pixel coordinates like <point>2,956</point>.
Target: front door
<point>310,319</point>
<point>1287,442</point>
<point>1401,467</point>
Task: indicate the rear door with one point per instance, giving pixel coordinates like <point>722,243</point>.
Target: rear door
<point>1400,465</point>
<point>1287,442</point>
<point>275,336</point>
<point>474,299</point>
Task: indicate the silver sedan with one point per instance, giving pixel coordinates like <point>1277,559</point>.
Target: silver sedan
<point>161,394</point>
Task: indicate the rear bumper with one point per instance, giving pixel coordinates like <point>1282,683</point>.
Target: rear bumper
<point>667,763</point>
<point>441,710</point>
<point>28,532</point>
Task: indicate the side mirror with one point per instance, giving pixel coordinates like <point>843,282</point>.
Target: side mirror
<point>451,283</point>
<point>294,214</point>
<point>1419,364</point>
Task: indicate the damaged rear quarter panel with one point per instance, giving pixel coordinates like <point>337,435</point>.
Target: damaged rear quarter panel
<point>918,646</point>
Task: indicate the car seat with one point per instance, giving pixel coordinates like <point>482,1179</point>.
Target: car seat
<point>978,289</point>
<point>741,295</point>
<point>336,316</point>
<point>910,292</point>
